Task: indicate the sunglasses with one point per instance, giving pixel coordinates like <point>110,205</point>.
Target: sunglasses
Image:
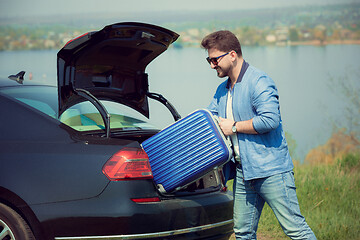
<point>215,60</point>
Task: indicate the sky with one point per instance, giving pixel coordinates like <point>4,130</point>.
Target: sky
<point>9,8</point>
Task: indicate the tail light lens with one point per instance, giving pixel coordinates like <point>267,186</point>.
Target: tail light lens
<point>146,200</point>
<point>128,164</point>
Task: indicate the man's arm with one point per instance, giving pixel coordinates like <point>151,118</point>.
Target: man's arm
<point>241,126</point>
<point>266,103</point>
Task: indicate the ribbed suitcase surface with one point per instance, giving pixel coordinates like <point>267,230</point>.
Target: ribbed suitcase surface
<point>186,150</point>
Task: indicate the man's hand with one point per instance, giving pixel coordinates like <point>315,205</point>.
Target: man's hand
<point>226,125</point>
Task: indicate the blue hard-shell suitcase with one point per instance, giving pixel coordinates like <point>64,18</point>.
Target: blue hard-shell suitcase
<point>187,150</point>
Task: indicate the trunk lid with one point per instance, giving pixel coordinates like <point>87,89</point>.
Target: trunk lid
<point>110,64</point>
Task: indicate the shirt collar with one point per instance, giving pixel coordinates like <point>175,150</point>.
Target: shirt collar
<point>244,67</point>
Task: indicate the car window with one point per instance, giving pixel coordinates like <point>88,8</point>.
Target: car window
<point>43,107</point>
<point>85,117</point>
<point>45,102</point>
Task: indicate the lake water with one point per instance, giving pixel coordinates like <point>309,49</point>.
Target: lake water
<point>307,78</point>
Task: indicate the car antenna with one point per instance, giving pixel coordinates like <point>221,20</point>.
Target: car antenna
<point>19,78</point>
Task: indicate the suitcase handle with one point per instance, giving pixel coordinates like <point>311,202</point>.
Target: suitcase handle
<point>227,138</point>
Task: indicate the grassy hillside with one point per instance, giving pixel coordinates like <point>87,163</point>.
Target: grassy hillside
<point>329,198</point>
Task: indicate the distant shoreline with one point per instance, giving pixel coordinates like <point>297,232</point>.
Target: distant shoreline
<point>197,45</point>
<point>287,43</point>
<point>319,43</point>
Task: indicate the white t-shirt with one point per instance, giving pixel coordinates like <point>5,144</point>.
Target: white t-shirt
<point>233,137</point>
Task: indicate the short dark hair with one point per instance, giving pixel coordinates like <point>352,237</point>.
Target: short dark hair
<point>223,40</point>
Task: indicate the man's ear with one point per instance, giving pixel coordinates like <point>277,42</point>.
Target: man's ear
<point>233,55</point>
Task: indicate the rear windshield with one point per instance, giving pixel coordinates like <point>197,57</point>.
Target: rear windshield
<point>85,117</point>
<point>81,117</point>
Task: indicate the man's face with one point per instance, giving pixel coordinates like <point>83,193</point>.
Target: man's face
<point>223,65</point>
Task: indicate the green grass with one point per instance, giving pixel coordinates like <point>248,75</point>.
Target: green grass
<point>329,198</point>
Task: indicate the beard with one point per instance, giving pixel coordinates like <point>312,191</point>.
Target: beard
<point>222,72</point>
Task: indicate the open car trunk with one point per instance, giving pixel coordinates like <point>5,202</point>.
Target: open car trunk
<point>212,181</point>
<point>110,65</point>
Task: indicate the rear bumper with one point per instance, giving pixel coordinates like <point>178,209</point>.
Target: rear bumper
<point>183,233</point>
<point>113,215</point>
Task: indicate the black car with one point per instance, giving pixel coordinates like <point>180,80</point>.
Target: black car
<point>71,162</point>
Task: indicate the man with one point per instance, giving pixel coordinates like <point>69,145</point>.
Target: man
<point>247,104</point>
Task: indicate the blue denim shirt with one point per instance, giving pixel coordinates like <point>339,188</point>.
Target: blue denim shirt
<point>255,96</point>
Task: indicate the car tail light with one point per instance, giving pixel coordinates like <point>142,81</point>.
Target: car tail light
<point>128,164</point>
<point>146,200</point>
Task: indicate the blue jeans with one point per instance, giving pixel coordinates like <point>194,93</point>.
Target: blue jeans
<point>279,193</point>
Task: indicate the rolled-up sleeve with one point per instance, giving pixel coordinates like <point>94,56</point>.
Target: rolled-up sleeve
<point>266,104</point>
